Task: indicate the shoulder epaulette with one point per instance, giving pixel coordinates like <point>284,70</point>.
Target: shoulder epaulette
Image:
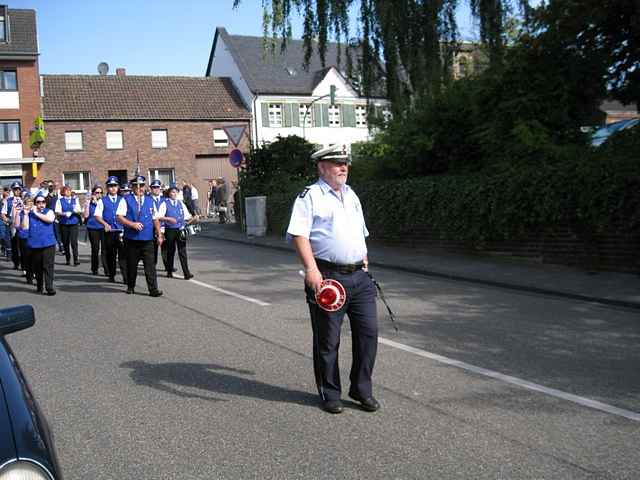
<point>304,192</point>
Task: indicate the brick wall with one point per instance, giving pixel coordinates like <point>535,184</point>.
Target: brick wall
<point>29,92</point>
<point>185,141</point>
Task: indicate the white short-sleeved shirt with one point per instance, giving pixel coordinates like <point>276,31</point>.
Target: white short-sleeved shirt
<point>162,209</point>
<point>335,228</point>
<point>100,206</point>
<point>76,206</point>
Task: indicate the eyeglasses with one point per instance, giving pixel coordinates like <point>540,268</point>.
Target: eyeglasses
<point>39,201</point>
<point>155,186</point>
<point>99,192</point>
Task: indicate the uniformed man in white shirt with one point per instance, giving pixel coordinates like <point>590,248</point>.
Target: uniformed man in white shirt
<point>328,231</point>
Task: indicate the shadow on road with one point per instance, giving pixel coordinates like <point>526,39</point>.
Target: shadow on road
<point>177,378</point>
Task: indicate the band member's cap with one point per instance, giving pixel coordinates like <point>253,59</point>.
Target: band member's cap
<point>173,186</point>
<point>16,185</point>
<point>139,180</point>
<point>156,183</point>
<point>124,187</point>
<point>113,180</point>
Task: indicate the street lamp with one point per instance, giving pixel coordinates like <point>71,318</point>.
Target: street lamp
<point>332,100</point>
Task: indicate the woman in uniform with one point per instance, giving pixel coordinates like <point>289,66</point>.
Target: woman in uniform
<point>23,236</point>
<point>95,231</point>
<point>68,211</point>
<point>175,215</point>
<point>38,220</point>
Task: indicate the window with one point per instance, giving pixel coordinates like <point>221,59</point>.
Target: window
<point>334,115</point>
<point>305,121</point>
<point>3,23</point>
<point>159,139</point>
<point>8,80</point>
<point>78,181</point>
<point>114,140</point>
<point>165,175</point>
<point>361,116</point>
<point>220,138</point>
<point>72,141</point>
<point>10,132</point>
<point>275,115</point>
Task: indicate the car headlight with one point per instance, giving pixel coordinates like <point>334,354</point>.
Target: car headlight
<point>21,470</point>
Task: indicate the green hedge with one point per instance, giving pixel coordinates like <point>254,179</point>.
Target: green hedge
<point>595,191</point>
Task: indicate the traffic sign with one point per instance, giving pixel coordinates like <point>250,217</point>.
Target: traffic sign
<point>236,158</point>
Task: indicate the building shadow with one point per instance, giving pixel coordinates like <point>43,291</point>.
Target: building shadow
<point>176,378</point>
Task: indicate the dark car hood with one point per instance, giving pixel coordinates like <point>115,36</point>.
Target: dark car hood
<point>31,434</point>
<point>7,444</point>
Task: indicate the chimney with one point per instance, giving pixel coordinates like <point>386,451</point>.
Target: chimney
<point>121,72</point>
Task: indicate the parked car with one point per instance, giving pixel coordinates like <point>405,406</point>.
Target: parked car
<point>602,134</point>
<point>26,445</point>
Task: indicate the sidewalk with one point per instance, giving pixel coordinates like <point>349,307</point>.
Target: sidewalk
<point>610,288</point>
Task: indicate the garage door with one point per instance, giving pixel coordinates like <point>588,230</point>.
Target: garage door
<point>211,167</point>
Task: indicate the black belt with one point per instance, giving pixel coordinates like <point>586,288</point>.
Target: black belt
<point>339,268</point>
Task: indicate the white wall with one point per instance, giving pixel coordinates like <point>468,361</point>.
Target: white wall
<point>9,100</point>
<point>10,150</point>
<point>318,135</point>
<point>343,90</point>
<point>225,66</point>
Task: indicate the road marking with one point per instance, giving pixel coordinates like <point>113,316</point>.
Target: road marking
<point>226,292</point>
<point>585,402</point>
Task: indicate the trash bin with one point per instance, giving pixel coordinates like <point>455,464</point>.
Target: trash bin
<point>256,214</point>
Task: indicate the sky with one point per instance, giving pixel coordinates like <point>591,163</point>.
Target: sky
<point>147,37</point>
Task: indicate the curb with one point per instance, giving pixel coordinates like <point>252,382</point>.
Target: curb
<point>459,278</point>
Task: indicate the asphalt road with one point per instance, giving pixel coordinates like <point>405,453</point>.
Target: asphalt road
<point>199,384</point>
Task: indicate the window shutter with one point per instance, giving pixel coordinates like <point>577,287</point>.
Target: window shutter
<point>265,114</point>
<point>348,115</point>
<point>378,112</point>
<point>286,114</point>
<point>295,114</point>
<point>317,115</point>
<point>325,114</point>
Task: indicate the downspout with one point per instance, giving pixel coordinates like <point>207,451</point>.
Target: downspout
<point>255,120</point>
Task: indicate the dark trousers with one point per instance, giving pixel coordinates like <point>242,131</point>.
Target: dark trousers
<point>136,250</point>
<point>69,235</point>
<point>58,235</point>
<point>114,251</point>
<point>173,241</point>
<point>43,261</point>
<point>360,307</point>
<point>163,253</point>
<point>15,251</point>
<point>25,257</point>
<point>98,254</point>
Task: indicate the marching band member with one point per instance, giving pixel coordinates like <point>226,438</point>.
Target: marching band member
<point>137,214</point>
<point>22,235</point>
<point>328,232</point>
<point>68,211</point>
<point>105,214</point>
<point>176,216</point>
<point>6,214</point>
<point>95,231</point>
<point>158,199</point>
<point>42,242</point>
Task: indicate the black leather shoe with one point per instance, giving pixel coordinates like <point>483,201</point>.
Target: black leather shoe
<point>332,406</point>
<point>112,280</point>
<point>51,293</point>
<point>76,263</point>
<point>130,291</point>
<point>155,293</point>
<point>169,274</point>
<point>188,276</point>
<point>368,404</point>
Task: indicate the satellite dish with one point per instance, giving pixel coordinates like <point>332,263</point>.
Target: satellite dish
<point>103,68</point>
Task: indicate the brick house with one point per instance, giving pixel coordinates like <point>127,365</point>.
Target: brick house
<point>19,94</point>
<point>99,125</point>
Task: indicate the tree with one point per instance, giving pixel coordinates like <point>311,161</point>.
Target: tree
<point>414,38</point>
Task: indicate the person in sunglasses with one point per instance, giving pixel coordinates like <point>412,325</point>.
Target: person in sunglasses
<point>95,231</point>
<point>23,235</point>
<point>38,221</point>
